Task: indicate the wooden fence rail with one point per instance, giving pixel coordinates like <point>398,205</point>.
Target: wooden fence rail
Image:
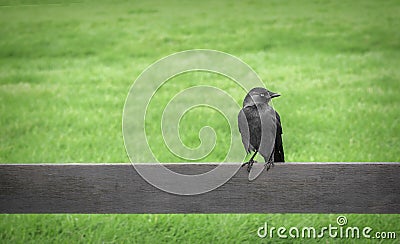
<point>118,188</point>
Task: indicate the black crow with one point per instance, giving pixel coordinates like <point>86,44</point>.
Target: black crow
<point>260,127</point>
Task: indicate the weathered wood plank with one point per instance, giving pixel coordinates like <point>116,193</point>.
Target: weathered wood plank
<point>117,188</point>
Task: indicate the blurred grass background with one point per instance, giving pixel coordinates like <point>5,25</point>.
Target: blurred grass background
<point>66,68</point>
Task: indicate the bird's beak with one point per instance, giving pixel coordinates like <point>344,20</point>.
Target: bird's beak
<point>273,94</point>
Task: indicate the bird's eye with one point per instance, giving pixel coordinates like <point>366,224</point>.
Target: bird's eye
<point>262,94</point>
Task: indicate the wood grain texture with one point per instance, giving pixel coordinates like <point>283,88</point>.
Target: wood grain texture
<point>117,188</point>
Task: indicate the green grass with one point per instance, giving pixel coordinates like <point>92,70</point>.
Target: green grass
<point>66,68</point>
<point>197,228</point>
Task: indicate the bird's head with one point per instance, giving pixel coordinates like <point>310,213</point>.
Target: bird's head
<point>258,95</point>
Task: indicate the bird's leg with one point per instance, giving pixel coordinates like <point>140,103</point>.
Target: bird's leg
<point>270,160</point>
<point>250,162</point>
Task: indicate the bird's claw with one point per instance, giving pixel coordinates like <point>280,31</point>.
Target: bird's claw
<point>249,165</point>
<point>269,164</point>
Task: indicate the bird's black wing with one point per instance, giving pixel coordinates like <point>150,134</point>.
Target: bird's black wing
<point>244,130</point>
<point>279,155</point>
<point>268,132</point>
